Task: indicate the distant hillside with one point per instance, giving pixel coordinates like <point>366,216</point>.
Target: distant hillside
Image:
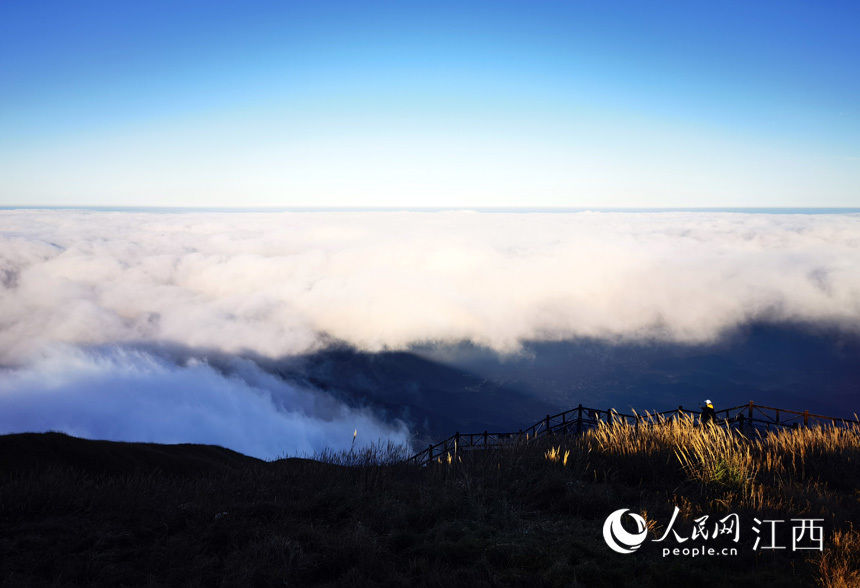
<point>434,398</point>
<point>34,451</point>
<point>799,365</point>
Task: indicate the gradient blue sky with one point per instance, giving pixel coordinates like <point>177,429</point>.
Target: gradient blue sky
<point>430,104</point>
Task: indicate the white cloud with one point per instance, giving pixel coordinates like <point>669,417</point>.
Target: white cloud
<point>131,395</point>
<point>275,283</point>
<point>98,285</point>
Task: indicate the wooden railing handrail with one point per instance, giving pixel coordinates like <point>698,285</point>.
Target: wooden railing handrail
<point>589,416</point>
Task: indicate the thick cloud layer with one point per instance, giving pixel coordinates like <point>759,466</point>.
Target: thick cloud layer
<point>100,286</point>
<point>281,283</point>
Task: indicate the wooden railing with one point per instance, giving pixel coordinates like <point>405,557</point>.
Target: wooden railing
<point>750,416</point>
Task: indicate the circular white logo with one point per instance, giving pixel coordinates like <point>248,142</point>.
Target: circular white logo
<point>617,538</point>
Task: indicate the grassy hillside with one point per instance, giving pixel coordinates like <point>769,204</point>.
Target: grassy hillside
<point>76,512</point>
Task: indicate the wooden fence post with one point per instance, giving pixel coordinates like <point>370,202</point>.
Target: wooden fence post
<point>579,419</point>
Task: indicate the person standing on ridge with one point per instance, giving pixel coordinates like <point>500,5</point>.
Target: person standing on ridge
<point>708,414</point>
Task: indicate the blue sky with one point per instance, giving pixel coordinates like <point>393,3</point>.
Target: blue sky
<point>430,104</point>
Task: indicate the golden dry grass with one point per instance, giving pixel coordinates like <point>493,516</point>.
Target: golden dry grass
<point>839,566</point>
<point>806,470</point>
<point>783,471</point>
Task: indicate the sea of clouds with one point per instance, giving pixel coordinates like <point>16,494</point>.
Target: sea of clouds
<point>86,296</point>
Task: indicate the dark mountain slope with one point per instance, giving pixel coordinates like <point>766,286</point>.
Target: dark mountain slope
<point>37,451</point>
<point>435,399</point>
<point>791,366</point>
